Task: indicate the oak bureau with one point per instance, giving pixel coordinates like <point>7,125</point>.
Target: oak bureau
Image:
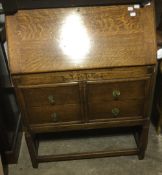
<point>83,68</point>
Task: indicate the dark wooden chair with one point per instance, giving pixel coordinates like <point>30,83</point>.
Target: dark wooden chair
<point>10,119</point>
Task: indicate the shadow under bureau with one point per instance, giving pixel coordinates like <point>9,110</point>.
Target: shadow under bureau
<point>83,68</point>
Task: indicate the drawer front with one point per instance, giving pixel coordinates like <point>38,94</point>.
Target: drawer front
<point>118,90</point>
<point>115,109</point>
<point>54,95</point>
<point>57,114</point>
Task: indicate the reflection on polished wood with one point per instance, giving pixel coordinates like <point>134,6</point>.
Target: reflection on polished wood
<point>79,38</point>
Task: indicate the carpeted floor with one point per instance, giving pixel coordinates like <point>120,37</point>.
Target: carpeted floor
<point>151,165</point>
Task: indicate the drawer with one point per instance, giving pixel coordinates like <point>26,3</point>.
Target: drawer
<point>116,109</point>
<point>118,90</point>
<point>56,114</point>
<point>54,95</point>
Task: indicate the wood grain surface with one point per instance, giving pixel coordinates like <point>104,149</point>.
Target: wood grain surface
<point>30,80</point>
<point>78,57</point>
<point>80,38</point>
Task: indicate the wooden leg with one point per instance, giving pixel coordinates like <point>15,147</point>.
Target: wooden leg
<point>1,167</point>
<point>32,149</point>
<point>159,127</point>
<point>143,140</point>
<point>159,123</point>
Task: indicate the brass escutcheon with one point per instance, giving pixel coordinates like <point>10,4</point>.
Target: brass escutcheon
<point>51,99</point>
<point>54,117</point>
<point>116,94</point>
<point>115,112</point>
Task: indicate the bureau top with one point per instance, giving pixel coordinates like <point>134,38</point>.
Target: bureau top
<point>80,38</point>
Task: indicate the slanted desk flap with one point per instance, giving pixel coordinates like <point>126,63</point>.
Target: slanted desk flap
<point>63,39</point>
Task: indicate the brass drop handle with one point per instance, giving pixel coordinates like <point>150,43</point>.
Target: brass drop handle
<point>54,117</point>
<point>115,112</point>
<point>51,99</point>
<point>116,94</point>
